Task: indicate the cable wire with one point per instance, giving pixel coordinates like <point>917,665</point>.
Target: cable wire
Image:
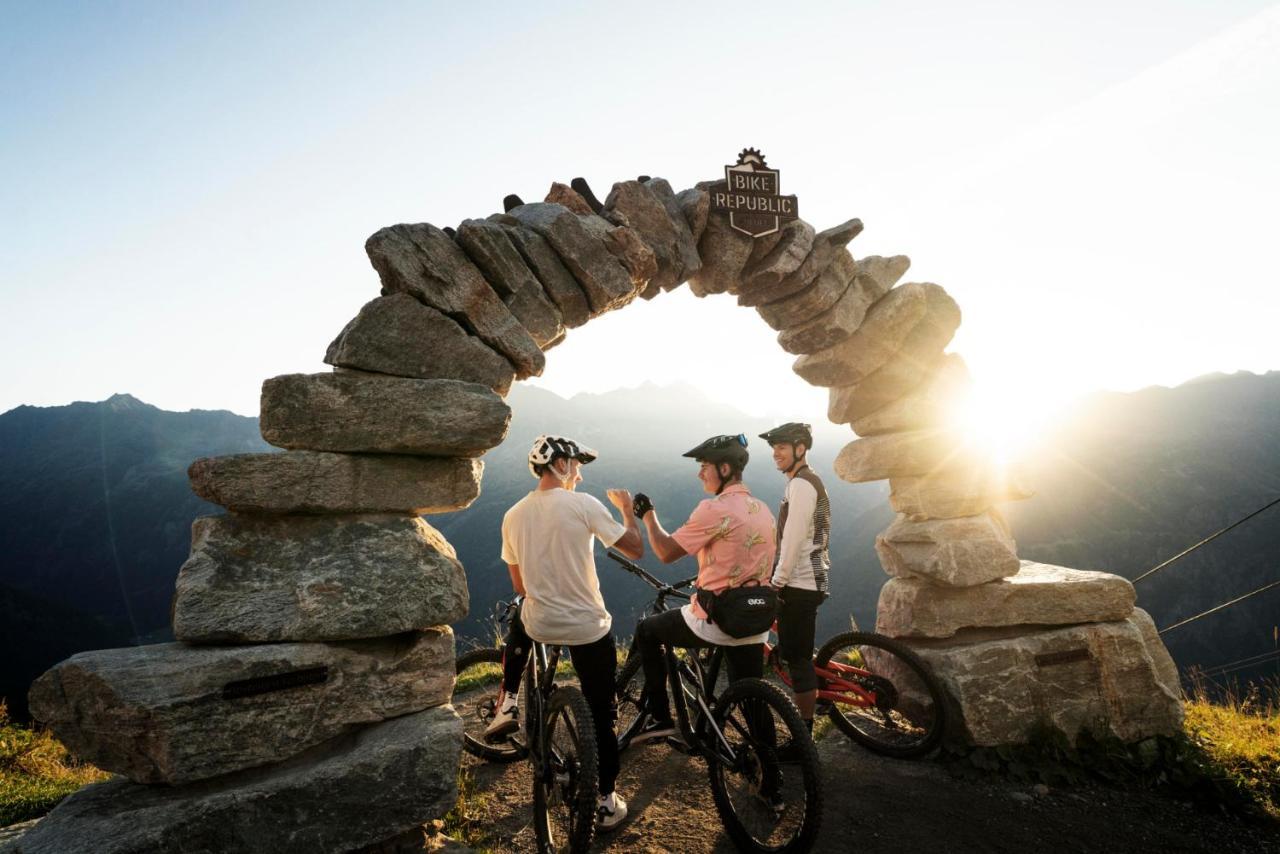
<point>1217,608</point>
<point>1243,662</point>
<point>1207,539</point>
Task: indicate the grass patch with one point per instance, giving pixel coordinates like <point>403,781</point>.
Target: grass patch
<point>467,821</point>
<point>36,772</point>
<point>1227,756</point>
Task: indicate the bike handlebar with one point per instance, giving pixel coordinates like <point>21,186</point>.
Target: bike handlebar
<point>651,580</point>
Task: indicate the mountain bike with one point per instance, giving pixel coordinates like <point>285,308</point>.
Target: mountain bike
<point>766,804</point>
<point>557,735</point>
<point>877,691</point>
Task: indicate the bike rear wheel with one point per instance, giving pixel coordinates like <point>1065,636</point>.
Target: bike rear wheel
<point>770,796</point>
<point>565,775</point>
<point>629,687</point>
<point>475,698</point>
<point>903,714</point>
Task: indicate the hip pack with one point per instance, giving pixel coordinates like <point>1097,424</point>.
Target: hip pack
<point>741,612</point>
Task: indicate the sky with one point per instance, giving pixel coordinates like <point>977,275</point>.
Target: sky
<point>188,187</point>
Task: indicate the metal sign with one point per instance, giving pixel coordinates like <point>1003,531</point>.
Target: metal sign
<point>1069,656</point>
<point>275,682</point>
<point>751,196</point>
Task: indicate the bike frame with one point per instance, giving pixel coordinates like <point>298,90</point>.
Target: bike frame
<point>836,681</point>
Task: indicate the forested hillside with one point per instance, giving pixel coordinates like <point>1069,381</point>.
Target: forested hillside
<point>97,509</point>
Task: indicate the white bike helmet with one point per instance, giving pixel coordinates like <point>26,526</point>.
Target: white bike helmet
<point>547,448</point>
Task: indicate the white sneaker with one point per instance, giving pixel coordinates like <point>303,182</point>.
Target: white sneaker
<point>611,811</point>
<point>505,721</point>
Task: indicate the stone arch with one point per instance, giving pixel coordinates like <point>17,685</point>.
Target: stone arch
<point>313,653</point>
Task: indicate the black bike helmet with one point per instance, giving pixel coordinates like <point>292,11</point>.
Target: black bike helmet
<point>791,433</point>
<point>722,449</point>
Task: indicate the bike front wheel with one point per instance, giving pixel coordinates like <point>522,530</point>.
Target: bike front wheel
<point>768,791</point>
<point>475,699</point>
<point>888,700</point>
<point>565,774</point>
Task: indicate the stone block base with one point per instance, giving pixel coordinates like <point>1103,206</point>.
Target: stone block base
<point>1113,679</point>
<point>351,792</point>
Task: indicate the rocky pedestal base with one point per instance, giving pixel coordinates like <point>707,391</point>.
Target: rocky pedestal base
<point>1006,686</point>
<point>348,793</point>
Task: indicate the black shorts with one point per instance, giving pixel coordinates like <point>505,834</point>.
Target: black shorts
<point>797,619</point>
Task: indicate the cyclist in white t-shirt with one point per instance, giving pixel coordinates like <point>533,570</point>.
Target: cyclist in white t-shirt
<point>547,543</point>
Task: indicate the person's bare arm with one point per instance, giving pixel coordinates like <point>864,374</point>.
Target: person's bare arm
<point>662,543</point>
<point>630,543</point>
<point>517,580</point>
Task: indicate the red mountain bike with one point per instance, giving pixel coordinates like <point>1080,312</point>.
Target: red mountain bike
<point>876,690</point>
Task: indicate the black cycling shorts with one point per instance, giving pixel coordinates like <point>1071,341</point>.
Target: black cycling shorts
<point>797,616</point>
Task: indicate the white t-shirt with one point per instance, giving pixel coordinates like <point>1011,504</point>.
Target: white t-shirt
<point>550,534</point>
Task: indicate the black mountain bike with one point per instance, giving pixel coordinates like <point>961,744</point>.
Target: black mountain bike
<point>766,804</point>
<point>557,735</point>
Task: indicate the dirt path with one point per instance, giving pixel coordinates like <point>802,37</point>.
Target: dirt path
<point>882,805</point>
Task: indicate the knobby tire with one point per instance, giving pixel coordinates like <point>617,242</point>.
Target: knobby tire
<point>571,742</point>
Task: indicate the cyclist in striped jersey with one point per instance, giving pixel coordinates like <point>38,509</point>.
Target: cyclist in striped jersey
<point>802,565</point>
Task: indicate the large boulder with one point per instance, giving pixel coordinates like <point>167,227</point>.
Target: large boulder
<point>838,322</point>
<point>355,790</point>
<point>956,552</point>
<point>1038,594</point>
<point>390,415</point>
<point>319,482</point>
<point>917,452</point>
<point>557,281</point>
<point>825,291</point>
<point>424,262</point>
<point>604,279</point>
<point>254,579</point>
<point>911,326</point>
<point>170,713</point>
<point>954,492</point>
<point>400,336</point>
<point>1111,679</point>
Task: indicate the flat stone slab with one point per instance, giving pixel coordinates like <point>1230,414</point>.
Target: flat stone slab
<point>913,322</point>
<point>355,790</point>
<point>297,482</point>
<point>825,291</point>
<point>695,205</point>
<point>489,247</point>
<point>400,336</point>
<point>604,279</point>
<point>424,262</point>
<point>1038,594</point>
<point>258,579</point>
<point>931,407</point>
<point>838,322</point>
<point>686,241</point>
<point>954,492</point>
<point>391,415</point>
<point>170,713</point>
<point>767,279</point>
<point>917,452</point>
<point>558,283</point>
<point>957,552</point>
<point>1112,679</point>
<point>638,206</point>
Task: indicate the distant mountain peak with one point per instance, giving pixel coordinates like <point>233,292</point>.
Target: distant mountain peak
<point>125,403</point>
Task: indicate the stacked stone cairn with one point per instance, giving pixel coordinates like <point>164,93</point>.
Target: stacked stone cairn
<point>304,704</point>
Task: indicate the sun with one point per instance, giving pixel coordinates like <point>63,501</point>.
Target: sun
<point>1004,423</point>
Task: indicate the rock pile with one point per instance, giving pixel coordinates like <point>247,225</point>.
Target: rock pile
<point>303,706</point>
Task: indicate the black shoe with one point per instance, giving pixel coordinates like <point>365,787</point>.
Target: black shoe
<point>654,728</point>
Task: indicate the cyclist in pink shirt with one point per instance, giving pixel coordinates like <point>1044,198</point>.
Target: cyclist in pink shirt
<point>733,536</point>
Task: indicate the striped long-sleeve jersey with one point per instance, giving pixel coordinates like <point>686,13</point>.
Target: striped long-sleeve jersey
<point>804,533</point>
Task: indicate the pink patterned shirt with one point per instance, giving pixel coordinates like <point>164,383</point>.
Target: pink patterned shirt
<point>733,536</point>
